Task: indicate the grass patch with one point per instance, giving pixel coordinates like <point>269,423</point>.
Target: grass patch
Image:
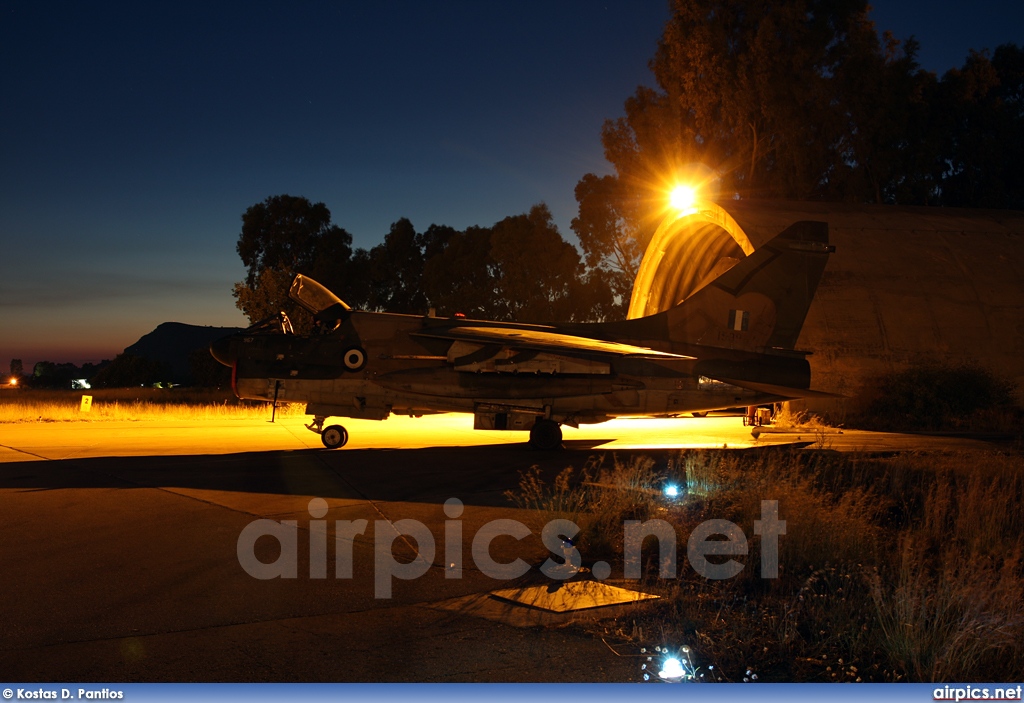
<point>598,498</point>
<point>892,568</point>
<point>133,404</point>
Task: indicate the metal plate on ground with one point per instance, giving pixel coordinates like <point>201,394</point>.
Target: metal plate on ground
<point>572,595</point>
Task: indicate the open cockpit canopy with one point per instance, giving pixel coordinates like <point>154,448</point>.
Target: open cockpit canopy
<point>312,296</point>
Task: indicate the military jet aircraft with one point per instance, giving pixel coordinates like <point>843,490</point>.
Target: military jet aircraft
<point>729,344</point>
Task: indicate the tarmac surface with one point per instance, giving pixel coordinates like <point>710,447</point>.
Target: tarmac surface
<point>173,437</point>
<point>120,550</point>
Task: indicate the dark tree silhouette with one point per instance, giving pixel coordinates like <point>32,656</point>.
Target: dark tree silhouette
<point>759,92</point>
<point>535,269</point>
<point>207,372</point>
<point>459,278</point>
<point>981,106</point>
<point>396,270</point>
<point>47,374</point>
<point>128,370</point>
<point>799,99</point>
<point>610,241</point>
<point>282,236</point>
<point>519,269</point>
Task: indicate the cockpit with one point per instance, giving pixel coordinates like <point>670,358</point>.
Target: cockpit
<point>328,310</point>
<point>313,296</point>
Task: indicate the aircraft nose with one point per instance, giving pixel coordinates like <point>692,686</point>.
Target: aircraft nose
<point>224,350</point>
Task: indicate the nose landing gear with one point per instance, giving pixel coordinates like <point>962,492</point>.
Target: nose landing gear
<point>333,436</point>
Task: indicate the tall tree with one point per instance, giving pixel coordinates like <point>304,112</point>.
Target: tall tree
<point>396,267</point>
<point>519,269</point>
<point>460,277</point>
<point>282,236</point>
<point>801,99</point>
<point>795,99</point>
<point>536,270</point>
<point>610,234</point>
<point>983,104</point>
<point>389,276</point>
<point>752,90</point>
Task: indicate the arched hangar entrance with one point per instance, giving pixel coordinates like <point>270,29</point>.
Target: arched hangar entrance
<point>906,286</point>
<point>686,251</point>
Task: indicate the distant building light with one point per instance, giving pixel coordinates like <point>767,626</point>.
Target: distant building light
<point>80,384</point>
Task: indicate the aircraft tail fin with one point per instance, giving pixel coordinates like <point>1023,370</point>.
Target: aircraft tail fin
<point>761,302</point>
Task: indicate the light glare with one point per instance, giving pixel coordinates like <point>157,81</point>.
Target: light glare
<point>672,669</point>
<point>682,197</point>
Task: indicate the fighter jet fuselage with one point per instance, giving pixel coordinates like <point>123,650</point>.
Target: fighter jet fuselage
<point>730,344</point>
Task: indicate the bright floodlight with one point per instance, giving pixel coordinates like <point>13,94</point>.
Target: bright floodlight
<point>672,670</point>
<point>671,490</point>
<point>14,381</point>
<point>682,197</point>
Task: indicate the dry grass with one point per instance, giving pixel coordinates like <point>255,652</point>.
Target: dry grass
<point>892,568</point>
<point>132,405</point>
<point>952,620</point>
<point>787,418</point>
<point>598,498</point>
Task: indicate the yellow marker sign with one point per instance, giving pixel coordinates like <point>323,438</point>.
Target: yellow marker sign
<point>86,403</point>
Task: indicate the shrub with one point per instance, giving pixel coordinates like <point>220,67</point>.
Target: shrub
<point>934,398</point>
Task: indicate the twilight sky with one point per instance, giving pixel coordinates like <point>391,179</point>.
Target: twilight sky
<point>135,134</point>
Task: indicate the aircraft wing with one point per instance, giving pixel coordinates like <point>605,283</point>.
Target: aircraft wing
<point>519,338</point>
<point>781,391</point>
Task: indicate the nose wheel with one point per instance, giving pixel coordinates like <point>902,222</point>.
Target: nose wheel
<point>334,437</point>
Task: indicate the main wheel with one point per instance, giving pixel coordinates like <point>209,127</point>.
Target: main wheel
<point>545,434</point>
<point>334,436</point>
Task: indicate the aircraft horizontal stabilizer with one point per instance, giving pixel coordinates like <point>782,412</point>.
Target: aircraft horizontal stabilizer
<point>520,338</point>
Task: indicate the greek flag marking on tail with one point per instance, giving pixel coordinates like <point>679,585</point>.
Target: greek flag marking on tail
<point>739,320</point>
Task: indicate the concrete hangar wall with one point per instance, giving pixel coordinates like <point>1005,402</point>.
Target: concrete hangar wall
<point>906,285</point>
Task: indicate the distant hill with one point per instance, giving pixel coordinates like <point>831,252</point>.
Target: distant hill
<point>172,342</point>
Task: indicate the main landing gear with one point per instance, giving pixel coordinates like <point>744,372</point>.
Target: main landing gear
<point>333,436</point>
<point>546,435</point>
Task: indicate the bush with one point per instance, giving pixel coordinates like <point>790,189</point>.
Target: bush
<point>935,398</point>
